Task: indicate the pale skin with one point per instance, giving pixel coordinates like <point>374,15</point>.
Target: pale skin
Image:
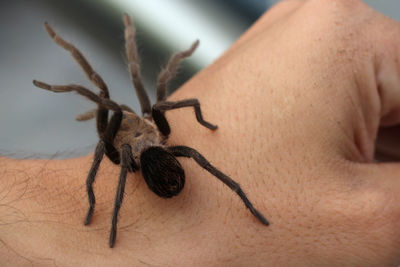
<point>298,99</point>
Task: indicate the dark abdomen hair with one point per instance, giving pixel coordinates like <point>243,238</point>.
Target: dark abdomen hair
<point>162,172</point>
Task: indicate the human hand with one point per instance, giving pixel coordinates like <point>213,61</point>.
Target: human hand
<point>301,97</point>
<point>298,99</point>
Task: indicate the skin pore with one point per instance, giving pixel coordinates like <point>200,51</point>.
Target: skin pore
<point>298,100</point>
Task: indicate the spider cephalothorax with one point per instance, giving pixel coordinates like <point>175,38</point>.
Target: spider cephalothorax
<point>139,143</point>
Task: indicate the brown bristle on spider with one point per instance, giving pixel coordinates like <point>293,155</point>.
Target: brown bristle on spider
<point>135,142</point>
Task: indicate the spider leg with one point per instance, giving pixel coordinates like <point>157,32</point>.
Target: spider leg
<point>90,114</point>
<point>134,65</point>
<point>98,156</point>
<point>112,126</point>
<point>126,163</point>
<point>184,151</point>
<point>109,135</point>
<point>94,77</point>
<point>80,59</point>
<point>101,115</point>
<point>104,102</point>
<point>171,69</point>
<point>162,123</point>
<point>104,146</point>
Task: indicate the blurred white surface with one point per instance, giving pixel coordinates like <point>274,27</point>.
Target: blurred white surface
<point>186,21</point>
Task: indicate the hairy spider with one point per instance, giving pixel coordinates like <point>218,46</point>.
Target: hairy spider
<point>137,142</point>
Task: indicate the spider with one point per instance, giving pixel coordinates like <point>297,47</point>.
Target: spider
<point>134,142</point>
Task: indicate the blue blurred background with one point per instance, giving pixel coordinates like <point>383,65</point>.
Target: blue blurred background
<point>37,123</point>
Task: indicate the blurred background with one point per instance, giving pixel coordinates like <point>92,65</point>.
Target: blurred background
<point>38,123</point>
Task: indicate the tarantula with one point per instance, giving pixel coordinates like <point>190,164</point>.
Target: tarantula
<point>134,142</point>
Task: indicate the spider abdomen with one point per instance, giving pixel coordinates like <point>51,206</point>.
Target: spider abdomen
<point>162,172</point>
